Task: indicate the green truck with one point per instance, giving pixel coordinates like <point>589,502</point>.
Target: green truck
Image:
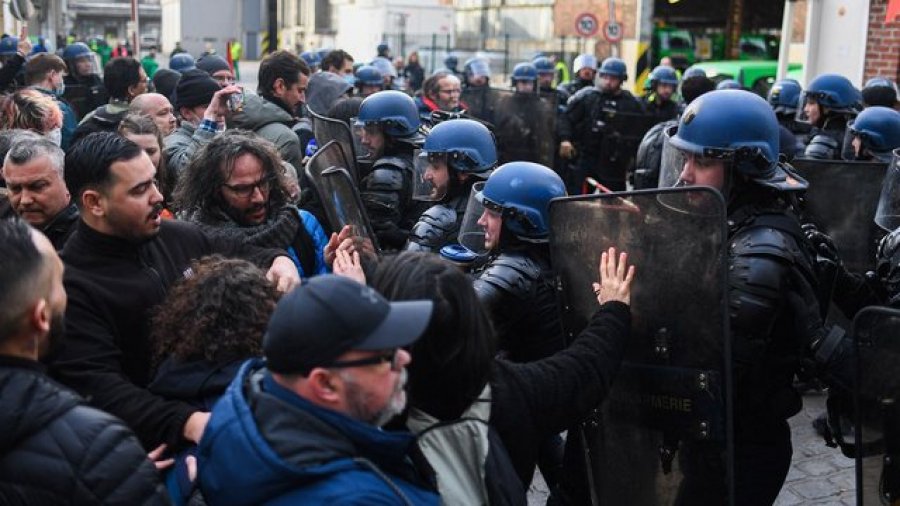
<point>754,75</point>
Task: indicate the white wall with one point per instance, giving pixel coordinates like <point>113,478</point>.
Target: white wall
<point>836,39</point>
<point>171,25</point>
<point>360,27</point>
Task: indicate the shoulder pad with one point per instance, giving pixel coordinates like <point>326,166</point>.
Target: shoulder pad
<point>582,93</point>
<point>821,147</point>
<point>392,162</point>
<point>512,272</point>
<point>385,177</point>
<point>765,242</point>
<point>434,227</point>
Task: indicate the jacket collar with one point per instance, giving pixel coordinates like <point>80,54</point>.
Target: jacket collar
<point>98,244</point>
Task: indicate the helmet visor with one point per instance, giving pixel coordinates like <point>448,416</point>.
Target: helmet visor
<point>471,234</point>
<point>887,215</point>
<point>432,176</point>
<point>688,167</point>
<point>368,140</point>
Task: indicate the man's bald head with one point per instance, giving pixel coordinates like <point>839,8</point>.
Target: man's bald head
<point>158,108</point>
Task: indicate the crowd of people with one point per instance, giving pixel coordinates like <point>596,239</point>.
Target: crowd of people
<point>190,314</point>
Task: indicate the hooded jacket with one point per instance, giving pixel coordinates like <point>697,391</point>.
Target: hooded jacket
<point>55,450</point>
<point>273,123</point>
<point>266,445</point>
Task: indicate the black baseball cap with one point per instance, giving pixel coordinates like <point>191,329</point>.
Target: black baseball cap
<point>330,315</point>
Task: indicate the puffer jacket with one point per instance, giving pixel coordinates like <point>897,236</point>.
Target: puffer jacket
<point>55,450</point>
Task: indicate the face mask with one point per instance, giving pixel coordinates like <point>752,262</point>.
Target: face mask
<point>59,91</point>
<point>55,136</point>
<point>350,79</point>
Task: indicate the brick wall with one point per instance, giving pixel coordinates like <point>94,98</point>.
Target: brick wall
<point>883,44</point>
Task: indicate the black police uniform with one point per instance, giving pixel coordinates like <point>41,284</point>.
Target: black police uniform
<point>662,110</point>
<point>386,192</point>
<point>439,225</point>
<point>602,152</point>
<point>85,94</point>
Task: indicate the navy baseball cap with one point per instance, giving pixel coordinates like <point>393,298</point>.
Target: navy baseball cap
<point>330,315</point>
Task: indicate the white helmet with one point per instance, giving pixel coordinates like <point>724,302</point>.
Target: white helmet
<point>582,61</point>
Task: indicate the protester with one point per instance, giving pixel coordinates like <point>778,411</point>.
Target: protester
<point>124,79</point>
<point>217,68</point>
<point>158,108</point>
<point>144,132</point>
<point>46,74</point>
<point>32,110</point>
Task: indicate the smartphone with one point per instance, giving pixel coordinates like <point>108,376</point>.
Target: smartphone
<point>236,102</point>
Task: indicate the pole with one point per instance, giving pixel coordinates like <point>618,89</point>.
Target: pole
<point>733,29</point>
<point>135,35</point>
<point>787,33</point>
<point>433,52</point>
<point>273,25</point>
<point>613,47</point>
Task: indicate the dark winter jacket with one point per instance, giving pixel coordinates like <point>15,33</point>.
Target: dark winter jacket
<point>61,226</point>
<point>54,450</point>
<point>273,123</point>
<point>535,400</point>
<point>112,286</point>
<point>266,445</point>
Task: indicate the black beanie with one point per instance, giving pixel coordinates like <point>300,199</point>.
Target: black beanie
<point>212,63</point>
<point>165,80</point>
<point>195,88</point>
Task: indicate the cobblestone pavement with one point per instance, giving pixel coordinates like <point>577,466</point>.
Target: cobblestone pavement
<point>819,475</point>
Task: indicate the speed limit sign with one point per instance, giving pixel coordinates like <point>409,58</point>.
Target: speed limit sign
<point>612,31</point>
<point>586,24</point>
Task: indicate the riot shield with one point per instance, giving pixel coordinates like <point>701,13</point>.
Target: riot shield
<point>525,127</point>
<point>477,102</point>
<point>841,201</point>
<point>667,415</point>
<point>876,395</point>
<point>327,129</point>
<point>327,170</point>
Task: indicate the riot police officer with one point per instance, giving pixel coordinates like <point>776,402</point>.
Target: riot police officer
<point>663,83</point>
<point>456,155</point>
<point>312,60</point>
<point>729,84</point>
<point>84,88</point>
<point>388,128</point>
<point>880,91</point>
<point>590,131</point>
<point>783,97</point>
<point>546,71</point>
<point>182,62</point>
<point>451,63</point>
<point>524,78</point>
<point>368,81</point>
<point>584,68</point>
<point>516,284</point>
<point>828,104</point>
<point>729,140</point>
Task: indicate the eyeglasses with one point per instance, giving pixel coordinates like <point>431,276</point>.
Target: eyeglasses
<point>451,91</point>
<point>246,190</point>
<point>391,356</point>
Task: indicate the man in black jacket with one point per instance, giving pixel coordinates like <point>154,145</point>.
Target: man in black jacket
<point>53,448</point>
<point>120,263</point>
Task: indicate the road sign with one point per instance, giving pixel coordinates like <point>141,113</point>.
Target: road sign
<point>612,31</point>
<point>587,24</point>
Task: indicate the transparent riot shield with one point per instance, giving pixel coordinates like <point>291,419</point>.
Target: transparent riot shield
<point>478,102</point>
<point>327,170</point>
<point>525,127</point>
<point>327,129</point>
<point>876,395</point>
<point>841,201</point>
<point>663,436</point>
<point>471,234</point>
<point>887,216</point>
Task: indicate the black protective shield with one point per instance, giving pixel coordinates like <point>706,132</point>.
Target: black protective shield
<point>877,392</point>
<point>327,169</point>
<point>669,406</point>
<point>841,201</point>
<point>327,129</point>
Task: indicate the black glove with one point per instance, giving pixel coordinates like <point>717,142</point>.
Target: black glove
<point>823,243</point>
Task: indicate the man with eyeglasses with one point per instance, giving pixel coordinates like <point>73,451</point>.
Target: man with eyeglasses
<point>307,419</point>
<point>120,263</point>
<point>440,92</point>
<point>234,188</point>
<point>217,68</point>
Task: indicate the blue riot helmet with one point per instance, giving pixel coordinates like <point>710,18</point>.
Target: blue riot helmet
<point>614,67</point>
<point>784,96</point>
<point>477,71</point>
<point>521,193</point>
<point>182,62</point>
<point>878,131</point>
<point>394,111</point>
<point>834,93</point>
<point>663,75</point>
<point>384,66</point>
<point>322,52</point>
<point>880,91</point>
<point>368,80</point>
<point>524,73</point>
<point>76,50</point>
<point>468,145</point>
<point>384,50</point>
<point>463,145</point>
<point>312,59</point>
<point>733,126</point>
<point>80,52</point>
<point>729,84</point>
<point>544,65</point>
<point>9,46</point>
<point>693,72</point>
<point>451,62</point>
